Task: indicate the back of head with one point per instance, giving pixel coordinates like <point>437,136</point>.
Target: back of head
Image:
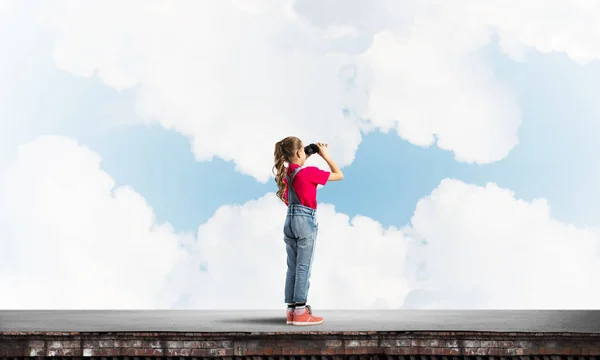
<point>284,152</point>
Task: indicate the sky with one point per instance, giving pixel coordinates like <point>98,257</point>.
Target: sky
<point>136,146</point>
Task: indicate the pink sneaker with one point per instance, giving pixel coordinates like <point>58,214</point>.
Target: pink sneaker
<point>290,317</point>
<point>305,317</point>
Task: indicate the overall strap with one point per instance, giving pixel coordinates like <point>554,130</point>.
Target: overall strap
<point>292,196</point>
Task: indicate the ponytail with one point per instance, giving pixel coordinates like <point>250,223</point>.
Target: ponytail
<point>284,150</point>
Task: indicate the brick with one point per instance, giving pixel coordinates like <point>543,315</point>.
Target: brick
<point>507,352</point>
<point>361,343</point>
<point>395,343</point>
<point>471,343</point>
<point>203,352</point>
<point>361,350</point>
<point>224,343</point>
<point>175,352</point>
<point>106,343</point>
<point>69,352</point>
<point>14,352</point>
<point>412,350</point>
<point>191,344</point>
<point>433,343</point>
<point>55,345</point>
<point>450,343</point>
<point>402,351</point>
<point>174,344</point>
<point>154,344</point>
<point>120,344</point>
<point>489,344</point>
<point>470,351</point>
<point>36,344</point>
<point>141,343</point>
<point>426,350</point>
<point>157,352</point>
<point>36,352</point>
<point>333,343</point>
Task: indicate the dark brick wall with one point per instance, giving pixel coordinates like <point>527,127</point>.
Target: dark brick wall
<point>297,346</point>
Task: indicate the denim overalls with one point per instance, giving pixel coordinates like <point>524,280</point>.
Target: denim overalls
<point>299,233</point>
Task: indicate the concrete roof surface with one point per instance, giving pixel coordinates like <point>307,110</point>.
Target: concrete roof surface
<point>587,321</point>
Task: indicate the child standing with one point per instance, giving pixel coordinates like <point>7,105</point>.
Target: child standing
<point>298,190</point>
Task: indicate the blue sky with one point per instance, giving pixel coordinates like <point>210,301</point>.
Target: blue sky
<point>146,103</point>
<point>158,162</point>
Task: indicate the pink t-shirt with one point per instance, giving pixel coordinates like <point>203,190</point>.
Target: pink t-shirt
<point>305,184</point>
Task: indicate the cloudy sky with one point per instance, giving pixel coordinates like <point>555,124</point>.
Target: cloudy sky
<point>136,142</point>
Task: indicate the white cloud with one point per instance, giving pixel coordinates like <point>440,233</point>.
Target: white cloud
<point>570,27</point>
<point>486,249</point>
<point>68,232</point>
<point>71,239</point>
<point>357,262</point>
<point>428,94</point>
<point>233,79</point>
<point>236,76</point>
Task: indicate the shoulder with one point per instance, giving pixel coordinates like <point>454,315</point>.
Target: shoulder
<point>316,175</point>
<point>311,170</point>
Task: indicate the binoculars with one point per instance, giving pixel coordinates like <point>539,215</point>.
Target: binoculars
<point>311,149</point>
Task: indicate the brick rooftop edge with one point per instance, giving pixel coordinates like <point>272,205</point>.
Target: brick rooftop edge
<point>303,345</point>
<point>247,335</point>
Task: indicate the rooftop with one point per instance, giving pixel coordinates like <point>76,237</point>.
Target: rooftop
<point>560,321</point>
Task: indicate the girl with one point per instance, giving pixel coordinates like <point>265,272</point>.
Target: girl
<point>298,190</point>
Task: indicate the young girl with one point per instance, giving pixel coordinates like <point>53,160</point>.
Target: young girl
<point>298,190</point>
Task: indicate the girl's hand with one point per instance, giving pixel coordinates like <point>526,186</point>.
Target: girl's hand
<point>323,150</point>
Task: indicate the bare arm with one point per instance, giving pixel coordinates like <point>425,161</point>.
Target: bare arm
<point>336,174</point>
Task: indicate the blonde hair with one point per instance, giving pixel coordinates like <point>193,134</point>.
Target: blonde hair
<point>284,152</point>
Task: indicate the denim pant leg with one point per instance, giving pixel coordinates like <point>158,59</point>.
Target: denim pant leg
<point>291,250</point>
<point>306,231</point>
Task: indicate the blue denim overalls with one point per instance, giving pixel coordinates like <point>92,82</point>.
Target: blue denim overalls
<point>299,233</point>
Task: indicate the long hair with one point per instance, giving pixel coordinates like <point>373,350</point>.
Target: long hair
<point>284,152</point>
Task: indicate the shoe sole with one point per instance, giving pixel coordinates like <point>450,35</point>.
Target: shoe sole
<point>289,322</point>
<point>308,323</point>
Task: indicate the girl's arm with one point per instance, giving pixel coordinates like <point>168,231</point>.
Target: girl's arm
<point>336,174</point>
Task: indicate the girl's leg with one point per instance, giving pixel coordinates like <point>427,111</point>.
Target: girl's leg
<point>292,253</point>
<point>290,278</point>
<point>303,314</point>
<point>305,255</point>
